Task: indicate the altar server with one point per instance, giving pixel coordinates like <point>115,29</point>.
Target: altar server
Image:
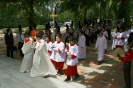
<point>59,54</point>
<point>72,60</point>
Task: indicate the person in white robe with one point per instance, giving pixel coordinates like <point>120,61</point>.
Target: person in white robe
<point>50,49</point>
<point>81,46</point>
<point>28,54</point>
<point>101,46</point>
<point>72,60</point>
<point>114,39</point>
<point>120,39</point>
<point>42,65</point>
<point>59,54</point>
<point>127,33</point>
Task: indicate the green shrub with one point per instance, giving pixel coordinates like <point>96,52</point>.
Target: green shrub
<point>40,27</point>
<point>26,29</point>
<point>4,30</point>
<point>16,30</point>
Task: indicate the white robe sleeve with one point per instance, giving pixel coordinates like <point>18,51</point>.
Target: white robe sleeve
<point>26,47</point>
<point>76,51</point>
<point>83,42</point>
<point>39,45</point>
<point>105,43</point>
<point>96,46</point>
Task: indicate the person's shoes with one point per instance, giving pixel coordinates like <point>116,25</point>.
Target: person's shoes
<point>99,62</point>
<point>25,72</point>
<point>105,51</point>
<point>76,76</point>
<point>102,61</point>
<point>46,76</point>
<point>67,79</point>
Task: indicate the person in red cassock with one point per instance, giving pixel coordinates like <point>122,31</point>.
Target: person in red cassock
<point>127,64</point>
<point>72,60</point>
<point>59,54</point>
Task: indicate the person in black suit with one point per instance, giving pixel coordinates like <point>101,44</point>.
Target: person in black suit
<point>9,42</point>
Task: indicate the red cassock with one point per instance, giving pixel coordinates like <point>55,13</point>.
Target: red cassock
<point>59,65</point>
<point>71,70</point>
<point>72,60</point>
<point>128,56</point>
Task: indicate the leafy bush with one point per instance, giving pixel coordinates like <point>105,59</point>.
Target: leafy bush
<point>27,29</point>
<point>40,27</point>
<point>4,30</point>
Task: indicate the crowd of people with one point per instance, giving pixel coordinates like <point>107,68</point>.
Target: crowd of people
<point>43,58</point>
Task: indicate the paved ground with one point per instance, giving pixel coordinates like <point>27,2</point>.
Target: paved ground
<point>107,75</point>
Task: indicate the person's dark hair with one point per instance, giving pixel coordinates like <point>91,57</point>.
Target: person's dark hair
<point>30,28</point>
<point>103,27</point>
<point>58,35</point>
<point>39,35</point>
<point>19,27</point>
<point>130,40</point>
<point>71,39</point>
<point>7,30</point>
<point>100,32</point>
<point>34,26</point>
<point>81,32</point>
<point>48,37</point>
<point>27,33</point>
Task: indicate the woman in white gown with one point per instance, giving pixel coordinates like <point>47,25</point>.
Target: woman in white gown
<point>42,65</point>
<point>28,54</point>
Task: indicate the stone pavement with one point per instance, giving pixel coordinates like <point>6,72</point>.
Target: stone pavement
<point>10,77</point>
<point>107,75</point>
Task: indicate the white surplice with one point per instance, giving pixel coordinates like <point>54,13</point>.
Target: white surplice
<point>28,56</point>
<point>82,47</point>
<point>101,45</point>
<point>73,50</point>
<point>49,47</point>
<point>105,34</point>
<point>127,33</point>
<point>42,65</point>
<point>119,40</point>
<point>56,56</point>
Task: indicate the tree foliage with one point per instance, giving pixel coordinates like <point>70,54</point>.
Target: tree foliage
<point>26,12</point>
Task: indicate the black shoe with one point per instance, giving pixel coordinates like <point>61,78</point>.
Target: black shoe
<point>76,76</point>
<point>67,79</point>
<point>99,62</point>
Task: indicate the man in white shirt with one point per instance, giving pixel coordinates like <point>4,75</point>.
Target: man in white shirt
<point>20,39</point>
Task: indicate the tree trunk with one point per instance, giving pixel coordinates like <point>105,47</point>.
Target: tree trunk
<point>30,12</point>
<point>85,9</point>
<point>124,12</point>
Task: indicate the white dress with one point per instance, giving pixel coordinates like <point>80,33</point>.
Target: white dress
<point>82,47</point>
<point>101,45</point>
<point>28,56</point>
<point>42,65</point>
